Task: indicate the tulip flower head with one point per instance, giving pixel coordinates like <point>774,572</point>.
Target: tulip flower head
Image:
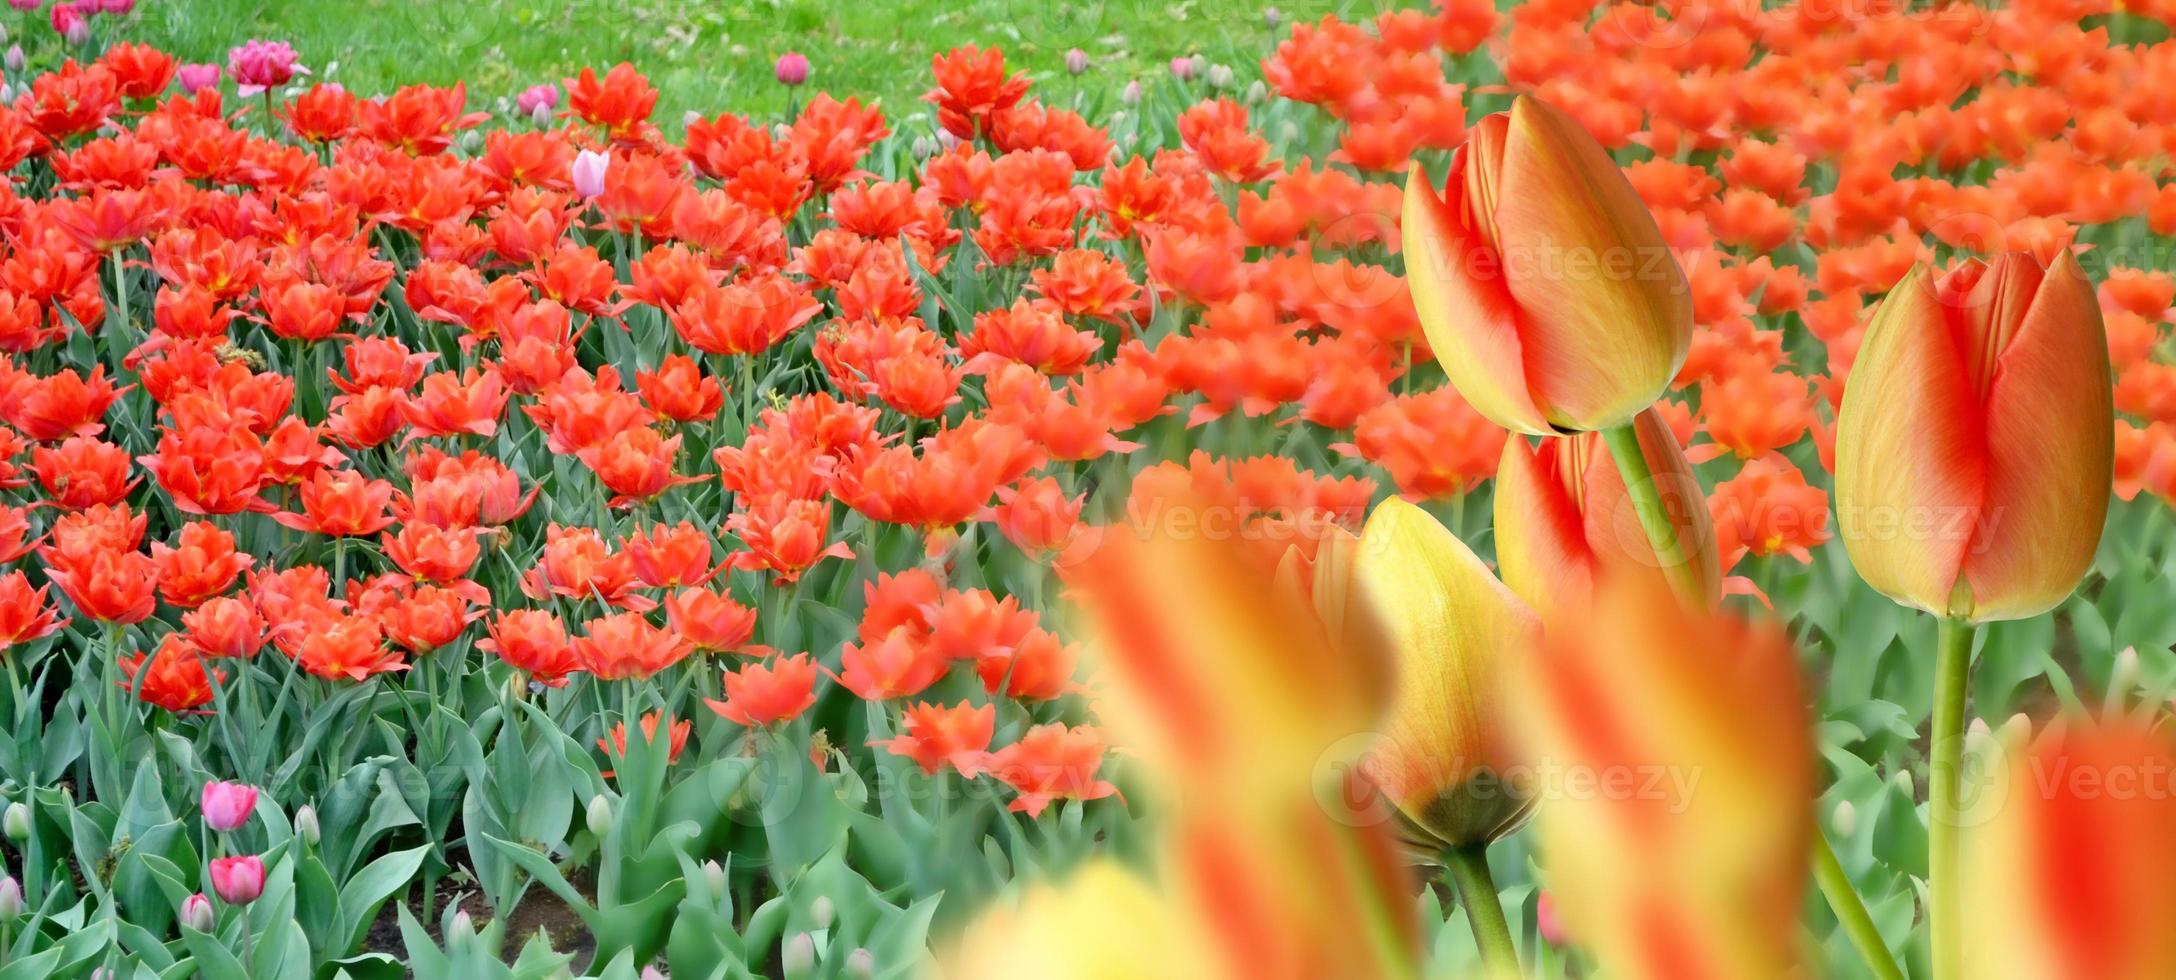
<point>1975,444</point>
<point>259,65</point>
<point>791,69</point>
<point>227,806</point>
<point>238,880</point>
<point>1542,282</point>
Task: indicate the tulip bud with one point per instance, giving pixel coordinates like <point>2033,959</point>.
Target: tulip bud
<point>15,60</point>
<point>197,914</point>
<point>821,912</point>
<point>599,815</point>
<point>227,806</point>
<point>461,933</point>
<point>1845,818</point>
<point>238,880</point>
<point>1541,280</point>
<point>1220,76</point>
<point>1076,61</point>
<point>11,897</point>
<point>861,964</point>
<point>1415,594</point>
<point>1563,517</point>
<point>798,958</point>
<point>1182,68</point>
<point>306,824</point>
<point>791,68</point>
<point>16,822</point>
<point>589,171</point>
<point>1976,441</point>
<point>1198,64</point>
<point>714,877</point>
<point>1131,94</point>
<point>1272,16</point>
<point>78,32</point>
<point>1546,921</point>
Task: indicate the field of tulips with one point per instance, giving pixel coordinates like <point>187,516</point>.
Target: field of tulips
<point>1583,489</point>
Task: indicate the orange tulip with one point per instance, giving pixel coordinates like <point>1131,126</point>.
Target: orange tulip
<point>2069,877</point>
<point>1976,442</point>
<point>1563,516</point>
<point>1678,765</point>
<point>1541,280</point>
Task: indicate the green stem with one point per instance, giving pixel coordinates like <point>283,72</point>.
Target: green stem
<point>1468,867</point>
<point>1952,680</point>
<point>1851,915</point>
<point>1639,484</point>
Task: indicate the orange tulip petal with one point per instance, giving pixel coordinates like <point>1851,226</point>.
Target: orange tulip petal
<point>1469,318</point>
<point>1605,311</point>
<point>1910,456</point>
<point>2051,454</point>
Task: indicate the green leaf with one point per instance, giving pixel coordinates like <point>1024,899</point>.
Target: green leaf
<point>363,894</point>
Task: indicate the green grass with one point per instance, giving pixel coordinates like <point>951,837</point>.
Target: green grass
<point>707,56</point>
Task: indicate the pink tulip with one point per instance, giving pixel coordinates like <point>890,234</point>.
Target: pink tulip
<point>545,96</point>
<point>792,68</point>
<point>260,65</point>
<point>588,172</point>
<point>196,77</point>
<point>197,914</point>
<point>238,880</point>
<point>227,806</point>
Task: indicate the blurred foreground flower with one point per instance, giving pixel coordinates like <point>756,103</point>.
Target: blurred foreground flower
<point>1229,695</point>
<point>1678,762</point>
<point>2069,878</point>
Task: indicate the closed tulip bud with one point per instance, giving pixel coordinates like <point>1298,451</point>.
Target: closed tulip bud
<point>588,172</point>
<point>1415,594</point>
<point>540,116</point>
<point>1220,76</point>
<point>306,824</point>
<point>1131,94</point>
<point>798,958</point>
<point>599,815</point>
<point>197,914</point>
<point>1845,819</point>
<point>1076,61</point>
<point>714,877</point>
<point>11,897</point>
<point>1563,517</point>
<point>821,912</point>
<point>1679,754</point>
<point>16,822</point>
<point>461,934</point>
<point>791,69</point>
<point>1975,445</point>
<point>1541,280</point>
<point>15,59</point>
<point>861,964</point>
<point>2068,879</point>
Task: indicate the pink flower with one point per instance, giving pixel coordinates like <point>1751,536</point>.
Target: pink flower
<point>1547,923</point>
<point>545,96</point>
<point>227,806</point>
<point>792,68</point>
<point>25,4</point>
<point>197,913</point>
<point>588,175</point>
<point>238,880</point>
<point>196,77</point>
<point>260,65</point>
<point>67,18</point>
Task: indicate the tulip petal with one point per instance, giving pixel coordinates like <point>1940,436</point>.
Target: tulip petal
<point>1910,453</point>
<point>1605,311</point>
<point>1451,625</point>
<point>1613,528</point>
<point>2051,453</point>
<point>1469,318</point>
<point>1541,536</point>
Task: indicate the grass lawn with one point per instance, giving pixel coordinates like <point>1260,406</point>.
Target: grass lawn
<point>707,56</point>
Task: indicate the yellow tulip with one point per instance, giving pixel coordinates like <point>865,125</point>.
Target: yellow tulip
<point>1413,593</point>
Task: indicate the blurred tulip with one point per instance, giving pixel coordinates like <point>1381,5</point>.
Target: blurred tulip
<point>1677,774</point>
<point>1236,706</point>
<point>1542,282</point>
<point>1563,517</point>
<point>2069,877</point>
<point>1975,445</point>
